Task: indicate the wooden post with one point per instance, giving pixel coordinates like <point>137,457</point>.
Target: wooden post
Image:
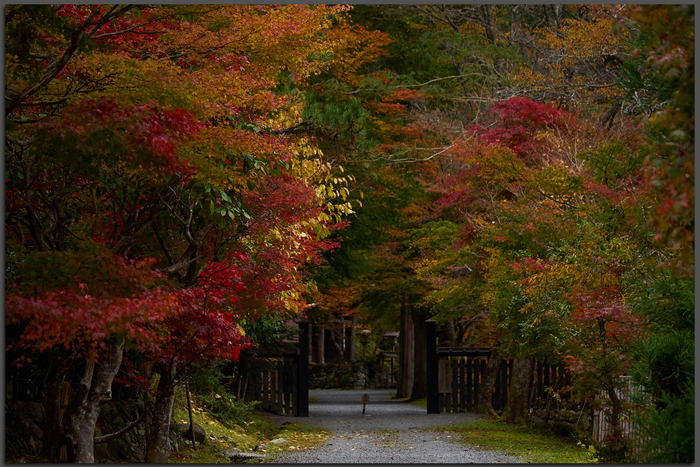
<point>321,345</point>
<point>352,345</point>
<point>294,387</point>
<point>303,371</point>
<point>311,345</point>
<point>465,399</point>
<point>432,367</point>
<point>504,383</point>
<point>189,410</point>
<point>392,380</point>
<point>456,392</point>
<point>266,386</point>
<point>444,384</point>
<point>278,398</point>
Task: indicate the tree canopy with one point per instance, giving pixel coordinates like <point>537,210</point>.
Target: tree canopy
<point>523,174</point>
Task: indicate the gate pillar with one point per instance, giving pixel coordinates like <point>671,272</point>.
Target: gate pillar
<point>432,363</point>
<point>303,371</point>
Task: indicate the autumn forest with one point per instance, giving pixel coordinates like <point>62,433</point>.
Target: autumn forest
<point>183,182</point>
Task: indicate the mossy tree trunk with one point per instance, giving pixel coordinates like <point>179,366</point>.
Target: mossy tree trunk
<point>483,401</point>
<point>521,382</point>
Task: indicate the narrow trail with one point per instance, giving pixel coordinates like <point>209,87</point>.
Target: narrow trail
<point>390,431</point>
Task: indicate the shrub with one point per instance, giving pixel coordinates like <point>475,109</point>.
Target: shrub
<point>669,429</point>
<point>209,388</point>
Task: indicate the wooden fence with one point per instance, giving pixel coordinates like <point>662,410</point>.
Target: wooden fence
<point>283,384</point>
<point>277,388</point>
<point>455,377</point>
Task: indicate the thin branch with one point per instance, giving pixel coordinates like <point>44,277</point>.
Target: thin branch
<point>56,67</point>
<point>123,431</point>
<point>19,142</point>
<point>40,103</point>
<point>124,31</point>
<point>402,86</point>
<point>440,79</point>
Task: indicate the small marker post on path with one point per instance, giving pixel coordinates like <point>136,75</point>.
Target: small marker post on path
<point>365,400</point>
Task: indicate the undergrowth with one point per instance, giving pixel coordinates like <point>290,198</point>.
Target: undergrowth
<point>240,427</point>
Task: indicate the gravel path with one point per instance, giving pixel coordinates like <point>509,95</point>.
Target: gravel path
<point>390,431</point>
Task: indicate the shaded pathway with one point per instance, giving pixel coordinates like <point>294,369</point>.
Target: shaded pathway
<point>391,431</point>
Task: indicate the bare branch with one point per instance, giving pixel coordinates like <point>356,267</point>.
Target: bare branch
<point>56,67</point>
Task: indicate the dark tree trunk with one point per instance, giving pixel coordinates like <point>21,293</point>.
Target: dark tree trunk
<point>609,117</point>
<point>53,426</point>
<point>53,418</point>
<point>158,439</point>
<point>406,352</point>
<point>483,402</point>
<point>521,381</point>
<point>95,389</point>
<point>420,368</point>
<point>616,410</point>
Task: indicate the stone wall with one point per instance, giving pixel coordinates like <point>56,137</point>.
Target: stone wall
<point>23,432</point>
<point>565,421</point>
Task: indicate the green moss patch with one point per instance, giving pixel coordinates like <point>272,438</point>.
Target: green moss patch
<point>532,443</point>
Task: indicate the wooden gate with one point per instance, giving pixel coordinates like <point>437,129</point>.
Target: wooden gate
<point>283,387</point>
<point>460,375</point>
<point>455,376</point>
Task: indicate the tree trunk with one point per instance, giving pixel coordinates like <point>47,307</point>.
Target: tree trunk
<point>420,365</point>
<point>521,381</point>
<point>488,24</point>
<point>53,427</point>
<point>322,345</point>
<point>338,337</point>
<point>406,352</point>
<point>513,36</point>
<point>450,333</point>
<point>609,117</point>
<point>53,418</point>
<point>158,439</point>
<point>483,403</point>
<point>615,412</point>
<point>95,389</point>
